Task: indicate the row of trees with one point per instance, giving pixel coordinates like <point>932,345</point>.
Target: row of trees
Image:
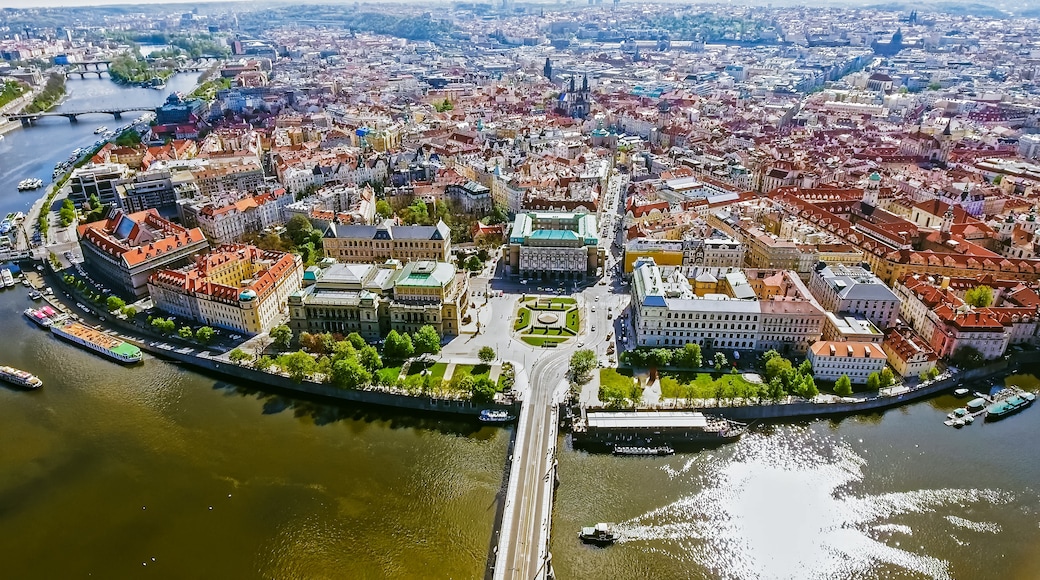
<point>688,356</point>
<point>782,378</point>
<point>167,327</point>
<point>52,92</point>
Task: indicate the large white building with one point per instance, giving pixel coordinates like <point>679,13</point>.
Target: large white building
<point>667,312</point>
<point>555,245</point>
<point>856,360</point>
<point>845,289</point>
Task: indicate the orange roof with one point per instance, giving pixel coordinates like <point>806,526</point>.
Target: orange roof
<point>848,349</point>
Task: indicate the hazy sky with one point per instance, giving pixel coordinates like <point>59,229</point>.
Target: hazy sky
<point>59,3</point>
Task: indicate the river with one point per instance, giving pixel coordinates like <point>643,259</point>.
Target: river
<point>117,472</point>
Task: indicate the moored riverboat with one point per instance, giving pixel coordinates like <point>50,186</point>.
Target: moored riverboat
<point>20,378</point>
<point>98,342</point>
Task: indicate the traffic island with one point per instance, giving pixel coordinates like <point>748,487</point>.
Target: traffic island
<point>547,322</point>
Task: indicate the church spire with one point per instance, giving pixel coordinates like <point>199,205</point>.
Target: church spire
<point>548,69</point>
<point>585,83</point>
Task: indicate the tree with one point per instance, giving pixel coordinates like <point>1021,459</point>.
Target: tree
<point>369,358</point>
<point>163,325</point>
<point>770,355</point>
<point>343,350</point>
<point>873,381</point>
<point>263,363</point>
<point>979,296</point>
<point>185,333</point>
<point>582,363</point>
<point>383,209</point>
<point>426,340</point>
<point>67,213</point>
<point>128,311</point>
<point>776,367</point>
<point>307,341</point>
<point>204,335</point>
<point>397,346</point>
<point>720,361</point>
<point>805,368</point>
<point>239,356</point>
<point>660,357</point>
<point>298,364</point>
<point>114,303</point>
<point>486,354</point>
<point>967,357</point>
<point>809,390</point>
<point>483,390</point>
<point>298,229</point>
<point>282,336</point>
<point>843,386</point>
<point>775,390</point>
<point>473,264</point>
<point>356,341</point>
<point>886,377</point>
<point>690,355</point>
<point>350,374</point>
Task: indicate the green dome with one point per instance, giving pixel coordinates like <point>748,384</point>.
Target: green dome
<point>875,177</point>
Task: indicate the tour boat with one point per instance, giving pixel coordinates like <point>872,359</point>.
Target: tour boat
<point>495,416</point>
<point>20,378</point>
<point>98,341</point>
<point>7,278</point>
<point>100,130</point>
<point>1009,406</point>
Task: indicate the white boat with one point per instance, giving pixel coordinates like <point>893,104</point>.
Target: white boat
<point>20,378</point>
<point>100,130</point>
<point>6,278</point>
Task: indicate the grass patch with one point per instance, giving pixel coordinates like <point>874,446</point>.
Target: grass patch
<point>685,385</point>
<point>388,375</point>
<point>618,390</point>
<point>541,340</point>
<point>572,321</point>
<point>523,318</point>
<point>475,371</point>
<point>415,379</point>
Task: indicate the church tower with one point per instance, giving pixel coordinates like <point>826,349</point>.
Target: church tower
<point>947,223</point>
<point>872,191</point>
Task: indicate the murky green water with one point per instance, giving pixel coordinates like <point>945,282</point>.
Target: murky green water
<point>898,495</point>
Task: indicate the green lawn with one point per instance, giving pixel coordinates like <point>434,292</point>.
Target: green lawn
<point>621,378</point>
<point>388,375</point>
<point>475,371</point>
<point>540,340</point>
<point>572,321</point>
<point>415,378</point>
<point>523,318</point>
<point>617,389</point>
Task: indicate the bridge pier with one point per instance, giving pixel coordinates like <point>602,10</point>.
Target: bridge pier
<point>26,122</point>
<point>117,115</point>
<point>71,118</point>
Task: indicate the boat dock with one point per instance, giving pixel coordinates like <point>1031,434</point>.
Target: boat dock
<point>976,410</point>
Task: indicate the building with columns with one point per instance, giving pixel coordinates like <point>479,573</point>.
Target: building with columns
<point>555,246</point>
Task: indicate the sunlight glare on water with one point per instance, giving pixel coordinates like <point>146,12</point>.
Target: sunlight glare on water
<point>785,507</point>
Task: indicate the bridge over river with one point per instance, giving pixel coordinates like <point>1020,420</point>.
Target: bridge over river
<point>29,119</point>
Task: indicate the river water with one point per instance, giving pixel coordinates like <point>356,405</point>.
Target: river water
<point>117,472</point>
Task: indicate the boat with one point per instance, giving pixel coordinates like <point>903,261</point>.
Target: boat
<point>34,295</point>
<point>608,430</point>
<point>21,378</point>
<point>100,130</point>
<point>601,535</point>
<point>7,278</point>
<point>37,317</point>
<point>1009,406</point>
<point>30,184</point>
<point>495,416</point>
<point>976,405</point>
<point>968,419</point>
<point>958,423</point>
<point>962,392</point>
<point>5,226</point>
<point>659,451</point>
<point>98,342</point>
<point>957,414</point>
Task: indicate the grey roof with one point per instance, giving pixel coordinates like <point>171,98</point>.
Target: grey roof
<point>388,231</point>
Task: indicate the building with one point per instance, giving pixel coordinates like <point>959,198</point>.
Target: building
<point>717,251</point>
<point>99,180</point>
<point>856,360</point>
<point>226,220</point>
<point>668,312</point>
<point>159,189</point>
<point>237,287</point>
<point>907,352</point>
<point>387,241</point>
<point>472,196</point>
<point>854,290</point>
<point>124,250</point>
<point>373,299</point>
<point>850,328</point>
<point>554,245</point>
<point>244,177</point>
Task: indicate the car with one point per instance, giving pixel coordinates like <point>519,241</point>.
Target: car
<point>593,308</point>
<point>593,329</point>
<point>597,299</point>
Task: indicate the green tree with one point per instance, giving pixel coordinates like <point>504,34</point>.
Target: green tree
<point>356,341</point>
<point>691,355</point>
<point>67,213</point>
<point>185,333</point>
<point>128,311</point>
<point>369,358</point>
<point>770,355</point>
<point>298,364</point>
<point>979,296</point>
<point>873,381</point>
<point>163,326</point>
<point>114,303</point>
<point>486,354</point>
<point>776,367</point>
<point>843,386</point>
<point>720,361</point>
<point>263,363</point>
<point>383,209</point>
<point>582,363</point>
<point>282,336</point>
<point>350,374</point>
<point>397,346</point>
<point>473,264</point>
<point>805,368</point>
<point>343,350</point>
<point>809,389</point>
<point>205,335</point>
<point>483,390</point>
<point>239,356</point>
<point>426,340</point>
<point>775,390</point>
<point>298,228</point>
<point>967,357</point>
<point>887,377</point>
<point>659,357</point>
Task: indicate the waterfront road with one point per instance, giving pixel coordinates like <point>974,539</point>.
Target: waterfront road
<point>523,541</point>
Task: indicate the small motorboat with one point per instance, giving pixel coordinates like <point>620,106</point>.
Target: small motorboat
<point>601,535</point>
<point>962,392</point>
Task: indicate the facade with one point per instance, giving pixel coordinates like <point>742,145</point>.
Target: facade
<point>373,299</point>
<point>386,241</point>
<point>223,179</point>
<point>554,245</point>
<point>158,189</point>
<point>97,179</point>
<point>856,360</point>
<point>855,290</point>
<point>237,287</point>
<point>126,249</point>
<point>225,221</point>
<point>717,251</point>
<point>850,328</point>
<point>472,196</point>
<point>668,312</point>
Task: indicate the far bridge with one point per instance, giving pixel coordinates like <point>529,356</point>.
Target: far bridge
<point>84,68</point>
<point>29,119</point>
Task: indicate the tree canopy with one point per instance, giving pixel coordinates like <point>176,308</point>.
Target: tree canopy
<point>582,363</point>
<point>979,296</point>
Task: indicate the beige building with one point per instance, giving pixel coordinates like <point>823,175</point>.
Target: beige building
<point>386,241</point>
<point>856,360</point>
<point>238,287</point>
